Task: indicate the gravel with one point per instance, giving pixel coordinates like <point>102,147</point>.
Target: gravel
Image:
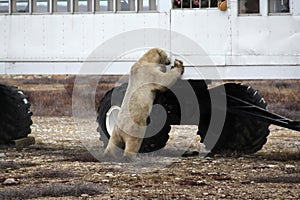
<point>61,158</point>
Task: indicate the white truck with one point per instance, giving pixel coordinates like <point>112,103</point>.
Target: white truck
<point>251,39</point>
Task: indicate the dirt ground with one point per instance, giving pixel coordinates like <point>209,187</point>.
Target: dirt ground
<point>59,165</point>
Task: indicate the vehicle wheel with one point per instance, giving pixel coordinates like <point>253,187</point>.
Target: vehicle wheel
<point>108,111</point>
<point>107,115</point>
<point>15,114</point>
<point>240,134</point>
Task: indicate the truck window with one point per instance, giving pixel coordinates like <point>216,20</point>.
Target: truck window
<point>20,6</point>
<point>40,6</point>
<point>248,6</point>
<point>61,6</point>
<point>104,5</point>
<point>4,6</point>
<point>126,5</point>
<point>82,5</point>
<point>279,6</point>
<point>195,3</point>
<point>147,5</point>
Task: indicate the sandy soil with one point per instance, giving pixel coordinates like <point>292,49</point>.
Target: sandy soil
<point>59,166</point>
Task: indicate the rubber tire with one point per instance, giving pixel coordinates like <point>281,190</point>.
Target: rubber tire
<point>240,134</point>
<point>15,114</point>
<point>149,144</point>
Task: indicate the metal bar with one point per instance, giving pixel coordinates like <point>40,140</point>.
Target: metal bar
<point>251,106</point>
<point>290,125</point>
<point>260,113</point>
<point>10,6</point>
<point>71,6</point>
<point>50,6</point>
<point>30,6</point>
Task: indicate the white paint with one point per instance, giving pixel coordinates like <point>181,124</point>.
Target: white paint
<point>242,47</point>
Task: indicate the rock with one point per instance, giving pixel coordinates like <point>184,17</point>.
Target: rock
<point>201,183</point>
<point>2,155</point>
<point>85,195</point>
<point>212,173</point>
<point>271,166</point>
<point>10,181</point>
<point>245,182</point>
<point>289,166</point>
<point>192,182</point>
<point>109,175</point>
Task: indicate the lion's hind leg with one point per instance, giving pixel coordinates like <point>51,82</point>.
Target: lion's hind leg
<point>115,146</point>
<point>132,146</point>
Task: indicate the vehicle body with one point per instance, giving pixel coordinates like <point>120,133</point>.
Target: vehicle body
<point>240,45</point>
<point>252,39</point>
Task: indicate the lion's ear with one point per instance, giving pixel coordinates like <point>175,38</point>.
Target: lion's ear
<point>159,51</point>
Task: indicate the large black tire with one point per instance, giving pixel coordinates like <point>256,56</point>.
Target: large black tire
<point>152,142</point>
<point>15,114</point>
<point>240,134</point>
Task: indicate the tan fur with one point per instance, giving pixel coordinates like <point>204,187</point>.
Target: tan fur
<point>147,76</point>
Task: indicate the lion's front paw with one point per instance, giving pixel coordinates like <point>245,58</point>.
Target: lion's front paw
<point>179,64</point>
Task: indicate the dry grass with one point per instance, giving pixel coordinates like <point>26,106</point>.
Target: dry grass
<point>282,96</point>
<point>11,165</point>
<point>280,156</point>
<point>50,103</point>
<point>52,190</point>
<point>295,178</point>
<point>52,95</point>
<point>55,173</point>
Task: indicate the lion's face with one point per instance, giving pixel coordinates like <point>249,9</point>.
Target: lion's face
<point>156,56</point>
<point>163,60</point>
<point>163,57</point>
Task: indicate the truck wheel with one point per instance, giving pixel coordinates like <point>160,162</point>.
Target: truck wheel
<point>240,134</point>
<point>15,114</point>
<point>107,115</point>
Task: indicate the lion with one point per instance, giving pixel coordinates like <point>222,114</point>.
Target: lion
<point>147,76</point>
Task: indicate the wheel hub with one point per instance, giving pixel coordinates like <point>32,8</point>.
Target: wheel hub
<point>111,118</point>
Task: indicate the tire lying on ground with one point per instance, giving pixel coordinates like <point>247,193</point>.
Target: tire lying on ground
<point>107,116</point>
<point>240,134</point>
<point>15,114</point>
